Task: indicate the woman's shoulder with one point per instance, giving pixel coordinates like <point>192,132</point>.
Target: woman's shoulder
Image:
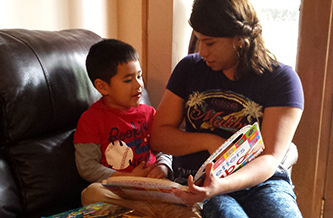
<point>194,58</point>
<point>285,85</point>
<point>281,71</point>
<point>191,63</point>
<point>281,68</point>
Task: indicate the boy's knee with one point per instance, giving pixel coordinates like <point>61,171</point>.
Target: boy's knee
<point>87,194</point>
<point>96,192</point>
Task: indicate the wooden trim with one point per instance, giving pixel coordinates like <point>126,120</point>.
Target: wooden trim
<point>144,55</point>
<point>312,136</point>
<point>328,109</point>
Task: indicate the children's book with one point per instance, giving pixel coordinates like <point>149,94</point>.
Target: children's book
<point>100,210</point>
<point>239,149</point>
<point>144,189</point>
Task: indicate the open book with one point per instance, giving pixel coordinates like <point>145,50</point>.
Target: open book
<point>239,149</point>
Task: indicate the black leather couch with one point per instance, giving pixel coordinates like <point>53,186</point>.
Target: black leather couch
<point>44,89</point>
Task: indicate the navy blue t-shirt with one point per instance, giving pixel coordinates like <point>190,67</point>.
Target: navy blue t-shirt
<point>215,104</point>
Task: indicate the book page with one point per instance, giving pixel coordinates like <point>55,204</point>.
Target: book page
<point>144,189</point>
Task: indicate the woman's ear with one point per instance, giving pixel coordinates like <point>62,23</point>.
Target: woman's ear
<point>240,42</point>
<point>101,86</point>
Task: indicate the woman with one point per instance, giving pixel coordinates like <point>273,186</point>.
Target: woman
<point>233,81</point>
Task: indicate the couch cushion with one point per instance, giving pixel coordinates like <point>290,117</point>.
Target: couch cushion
<point>9,200</point>
<point>47,173</point>
<point>43,82</point>
<point>44,88</point>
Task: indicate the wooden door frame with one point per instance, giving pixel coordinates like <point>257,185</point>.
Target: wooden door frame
<point>313,134</point>
<point>327,201</point>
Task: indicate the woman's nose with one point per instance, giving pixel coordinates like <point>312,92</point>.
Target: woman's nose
<point>203,52</point>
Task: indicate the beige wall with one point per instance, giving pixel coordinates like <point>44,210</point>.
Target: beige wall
<point>55,14</point>
<point>154,27</point>
<point>108,18</point>
<point>159,47</point>
<point>168,37</point>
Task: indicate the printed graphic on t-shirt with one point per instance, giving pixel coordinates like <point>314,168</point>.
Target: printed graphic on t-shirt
<point>221,109</point>
<point>128,148</point>
<point>121,156</point>
<point>118,155</point>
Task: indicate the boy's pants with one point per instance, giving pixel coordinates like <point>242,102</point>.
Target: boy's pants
<point>96,192</point>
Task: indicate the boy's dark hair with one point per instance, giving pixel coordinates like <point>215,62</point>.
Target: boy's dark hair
<point>230,18</point>
<point>104,57</point>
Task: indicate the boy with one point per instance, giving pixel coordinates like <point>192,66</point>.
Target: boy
<point>112,136</point>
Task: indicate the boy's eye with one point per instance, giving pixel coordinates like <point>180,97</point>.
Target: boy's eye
<point>128,81</point>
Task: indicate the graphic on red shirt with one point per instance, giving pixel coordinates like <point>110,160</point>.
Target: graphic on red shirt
<point>118,155</point>
<point>128,148</point>
<point>123,136</point>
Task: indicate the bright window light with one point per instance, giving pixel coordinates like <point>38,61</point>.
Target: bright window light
<point>280,21</point>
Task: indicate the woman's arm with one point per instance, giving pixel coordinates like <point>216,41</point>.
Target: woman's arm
<point>168,138</point>
<point>278,128</point>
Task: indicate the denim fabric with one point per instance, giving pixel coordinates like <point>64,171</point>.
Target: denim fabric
<point>273,198</point>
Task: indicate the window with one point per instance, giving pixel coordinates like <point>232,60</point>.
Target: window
<point>279,21</point>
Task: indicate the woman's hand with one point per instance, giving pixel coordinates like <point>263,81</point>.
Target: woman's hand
<point>210,188</point>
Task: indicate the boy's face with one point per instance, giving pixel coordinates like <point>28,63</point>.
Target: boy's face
<point>125,87</point>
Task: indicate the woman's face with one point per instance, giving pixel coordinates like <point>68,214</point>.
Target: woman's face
<point>220,53</point>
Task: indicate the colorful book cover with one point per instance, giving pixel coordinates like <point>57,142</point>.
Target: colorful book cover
<point>244,150</point>
<point>241,148</point>
<point>101,210</point>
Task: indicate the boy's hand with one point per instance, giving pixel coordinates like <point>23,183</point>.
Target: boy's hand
<point>158,172</point>
<point>141,170</point>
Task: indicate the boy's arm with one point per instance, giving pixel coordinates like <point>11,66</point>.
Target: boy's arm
<point>87,158</point>
<point>165,159</point>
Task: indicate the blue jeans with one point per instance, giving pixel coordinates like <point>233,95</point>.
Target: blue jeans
<point>273,198</point>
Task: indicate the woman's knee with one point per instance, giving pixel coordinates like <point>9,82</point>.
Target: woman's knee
<point>223,206</point>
